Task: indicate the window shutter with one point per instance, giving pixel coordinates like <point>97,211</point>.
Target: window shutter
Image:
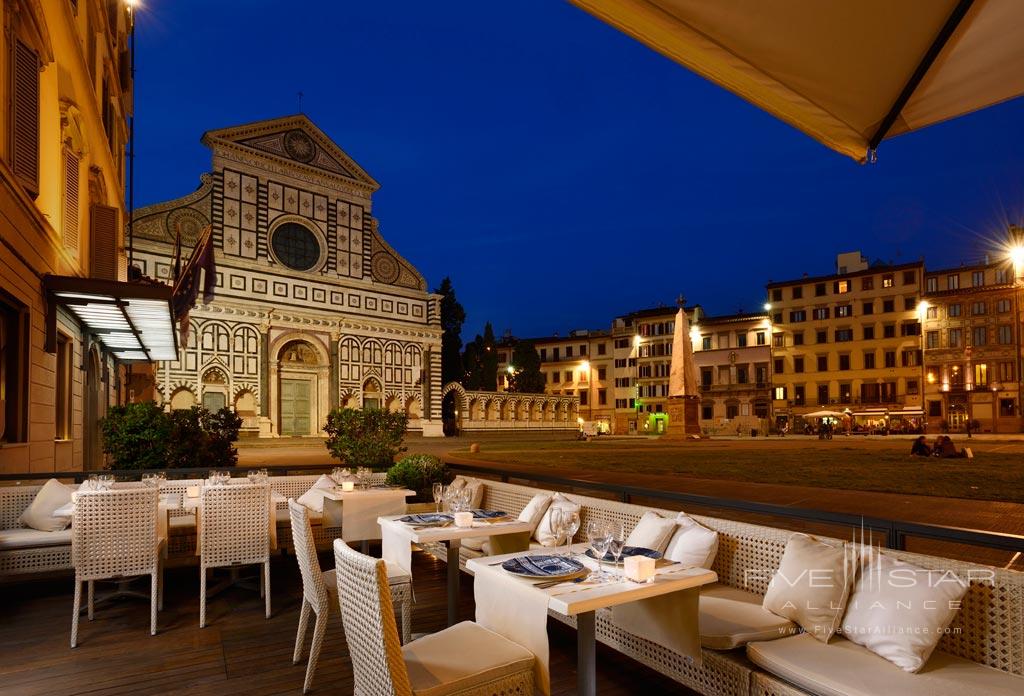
<point>71,169</point>
<point>25,117</point>
<point>103,228</point>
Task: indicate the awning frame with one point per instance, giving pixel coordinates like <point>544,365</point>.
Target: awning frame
<point>71,291</point>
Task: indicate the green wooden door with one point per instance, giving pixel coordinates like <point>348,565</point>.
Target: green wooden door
<point>295,407</point>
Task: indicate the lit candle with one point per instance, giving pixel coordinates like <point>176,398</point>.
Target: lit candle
<point>348,486</point>
<point>638,568</point>
<point>463,519</point>
<point>192,491</point>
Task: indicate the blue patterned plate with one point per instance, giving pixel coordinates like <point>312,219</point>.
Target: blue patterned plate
<point>489,514</point>
<point>543,567</point>
<point>427,518</point>
<point>627,551</point>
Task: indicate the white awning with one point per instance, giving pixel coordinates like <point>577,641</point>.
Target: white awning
<point>848,74</point>
<point>133,321</point>
<point>912,412</point>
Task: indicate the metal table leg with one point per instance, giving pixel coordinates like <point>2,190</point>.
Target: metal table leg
<point>586,664</point>
<point>453,581</point>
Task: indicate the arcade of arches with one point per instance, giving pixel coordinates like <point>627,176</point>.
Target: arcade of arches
<point>481,410</point>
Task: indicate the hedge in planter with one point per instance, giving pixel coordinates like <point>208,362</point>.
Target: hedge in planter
<point>370,437</point>
<point>418,472</point>
<point>144,436</point>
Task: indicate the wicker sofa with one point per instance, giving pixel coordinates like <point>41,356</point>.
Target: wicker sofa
<point>28,552</point>
<point>985,657</point>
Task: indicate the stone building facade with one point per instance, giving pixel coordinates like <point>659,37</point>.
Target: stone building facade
<point>313,308</point>
<point>972,348</point>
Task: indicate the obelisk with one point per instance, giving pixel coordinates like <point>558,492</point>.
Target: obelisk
<point>683,389</point>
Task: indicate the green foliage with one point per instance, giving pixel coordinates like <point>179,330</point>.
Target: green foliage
<point>135,436</point>
<point>144,436</point>
<point>480,362</point>
<point>452,317</point>
<point>369,437</point>
<point>527,377</point>
<point>418,472</point>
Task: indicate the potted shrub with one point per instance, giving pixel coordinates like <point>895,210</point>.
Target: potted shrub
<point>369,437</point>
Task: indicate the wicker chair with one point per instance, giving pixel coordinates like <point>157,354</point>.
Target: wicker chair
<point>320,591</point>
<point>234,530</point>
<point>114,536</point>
<point>462,659</point>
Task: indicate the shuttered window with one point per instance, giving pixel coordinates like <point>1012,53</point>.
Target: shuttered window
<point>103,231</point>
<point>71,204</point>
<point>25,116</point>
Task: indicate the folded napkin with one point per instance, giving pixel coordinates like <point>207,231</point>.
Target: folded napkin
<point>396,548</point>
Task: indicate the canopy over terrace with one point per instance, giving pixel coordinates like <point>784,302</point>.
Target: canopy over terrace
<point>848,74</point>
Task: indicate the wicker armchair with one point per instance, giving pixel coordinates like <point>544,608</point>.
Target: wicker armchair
<point>320,591</point>
<point>234,530</point>
<point>114,536</point>
<point>462,659</point>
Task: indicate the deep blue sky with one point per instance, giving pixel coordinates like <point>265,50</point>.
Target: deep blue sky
<point>558,171</point>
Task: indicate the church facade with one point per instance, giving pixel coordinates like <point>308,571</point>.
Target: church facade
<point>313,308</point>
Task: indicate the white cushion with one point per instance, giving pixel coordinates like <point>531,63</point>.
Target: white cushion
<point>39,514</point>
<point>652,531</point>
<point>730,618</point>
<point>842,668</point>
<point>692,543</point>
<point>899,611</point>
<point>487,547</point>
<point>474,543</point>
<point>544,534</point>
<point>535,509</point>
<point>24,538</point>
<point>457,482</point>
<point>314,497</point>
<point>461,657</point>
<point>812,584</point>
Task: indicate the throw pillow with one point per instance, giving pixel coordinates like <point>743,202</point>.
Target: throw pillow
<point>314,497</point>
<point>544,533</point>
<point>652,532</point>
<point>39,513</point>
<point>692,543</point>
<point>812,585</point>
<point>535,509</point>
<point>899,611</point>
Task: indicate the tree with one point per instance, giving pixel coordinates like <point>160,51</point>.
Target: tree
<point>369,437</point>
<point>452,317</point>
<point>526,376</point>
<point>480,362</point>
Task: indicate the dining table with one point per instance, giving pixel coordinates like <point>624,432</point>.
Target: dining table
<point>664,609</point>
<point>398,538</point>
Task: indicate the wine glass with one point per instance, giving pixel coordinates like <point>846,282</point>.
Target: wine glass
<point>438,491</point>
<point>599,534</point>
<point>571,519</point>
<point>617,542</point>
<point>104,482</point>
<point>557,524</point>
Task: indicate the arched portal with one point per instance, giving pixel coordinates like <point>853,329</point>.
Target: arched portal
<point>301,377</point>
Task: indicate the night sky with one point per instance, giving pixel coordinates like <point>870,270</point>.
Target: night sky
<point>558,171</point>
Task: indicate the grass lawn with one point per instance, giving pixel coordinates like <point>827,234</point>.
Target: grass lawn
<point>995,473</point>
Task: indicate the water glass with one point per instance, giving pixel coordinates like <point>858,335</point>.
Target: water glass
<point>557,523</point>
<point>150,481</point>
<point>617,543</point>
<point>438,491</point>
<point>340,475</point>
<point>104,482</point>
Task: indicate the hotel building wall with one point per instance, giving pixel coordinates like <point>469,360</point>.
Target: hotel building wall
<point>66,93</point>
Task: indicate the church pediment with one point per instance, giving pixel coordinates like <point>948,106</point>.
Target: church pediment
<point>296,140</point>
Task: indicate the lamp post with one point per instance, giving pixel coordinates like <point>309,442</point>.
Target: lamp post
<point>1016,256</point>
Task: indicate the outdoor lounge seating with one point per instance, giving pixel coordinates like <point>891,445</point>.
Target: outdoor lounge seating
<point>979,658</point>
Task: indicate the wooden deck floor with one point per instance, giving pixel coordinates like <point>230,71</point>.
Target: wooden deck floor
<point>239,652</point>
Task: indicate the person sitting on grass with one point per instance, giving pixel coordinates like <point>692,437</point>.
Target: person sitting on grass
<point>920,448</point>
<point>947,450</point>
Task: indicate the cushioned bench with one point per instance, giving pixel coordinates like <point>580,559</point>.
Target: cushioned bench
<point>748,650</point>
